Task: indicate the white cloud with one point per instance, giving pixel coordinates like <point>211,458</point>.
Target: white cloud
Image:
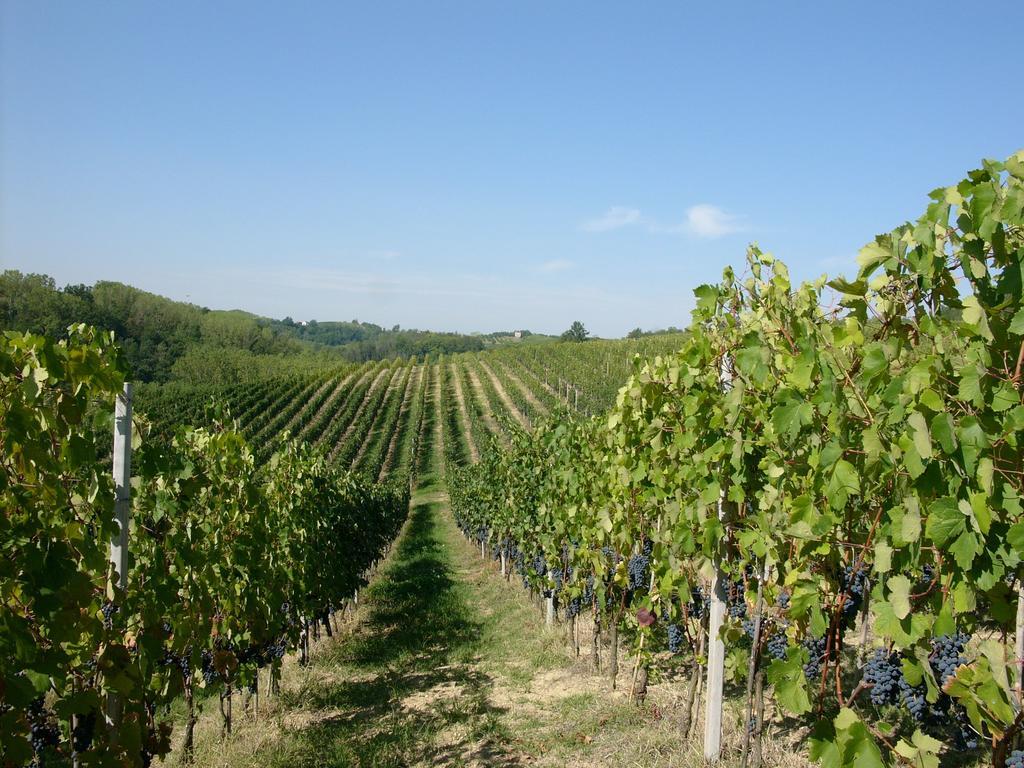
<point>615,217</point>
<point>710,221</point>
<point>556,265</point>
<point>703,220</point>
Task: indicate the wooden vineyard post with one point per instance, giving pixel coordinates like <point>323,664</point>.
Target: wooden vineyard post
<point>122,466</point>
<point>1019,647</point>
<point>303,643</point>
<point>752,670</point>
<point>716,648</point>
<point>549,613</point>
<point>613,649</point>
<point>865,616</point>
<point>692,691</point>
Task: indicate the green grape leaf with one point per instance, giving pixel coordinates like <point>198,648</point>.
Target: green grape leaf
<point>945,521</point>
<point>922,751</point>
<point>899,596</point>
<point>787,676</point>
<point>919,432</point>
<point>790,416</point>
<point>844,482</point>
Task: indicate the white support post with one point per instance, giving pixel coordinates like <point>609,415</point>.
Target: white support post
<point>122,483</point>
<point>122,503</point>
<point>716,664</point>
<point>716,648</point>
<point>549,614</point>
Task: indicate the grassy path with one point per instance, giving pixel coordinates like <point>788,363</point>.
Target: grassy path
<point>443,664</point>
<point>404,688</point>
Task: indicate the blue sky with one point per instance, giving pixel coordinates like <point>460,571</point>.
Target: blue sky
<point>482,165</point>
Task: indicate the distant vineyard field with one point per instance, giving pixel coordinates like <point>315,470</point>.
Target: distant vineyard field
<point>369,418</point>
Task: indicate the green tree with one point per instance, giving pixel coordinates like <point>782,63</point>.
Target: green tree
<point>576,332</point>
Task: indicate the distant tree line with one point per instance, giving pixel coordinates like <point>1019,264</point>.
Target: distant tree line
<point>639,333</point>
<point>154,331</point>
<point>359,342</point>
<point>168,340</point>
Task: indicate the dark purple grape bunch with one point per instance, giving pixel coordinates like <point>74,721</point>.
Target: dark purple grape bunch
<point>182,662</point>
<point>883,672</point>
<point>43,730</point>
<point>777,645</point>
<point>947,655</point>
<point>109,609</point>
<point>209,671</point>
<point>572,608</point>
<point>675,638</point>
<point>736,601</point>
<point>816,647</point>
<point>853,583</point>
<point>639,567</point>
<point>588,591</point>
<point>540,565</point>
<point>700,601</point>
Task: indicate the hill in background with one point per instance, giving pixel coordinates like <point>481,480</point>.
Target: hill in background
<point>168,340</point>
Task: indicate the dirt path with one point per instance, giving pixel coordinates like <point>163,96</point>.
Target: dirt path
<point>540,382</point>
<point>460,399</point>
<point>437,446</point>
<point>486,413</point>
<point>528,393</point>
<point>522,418</point>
